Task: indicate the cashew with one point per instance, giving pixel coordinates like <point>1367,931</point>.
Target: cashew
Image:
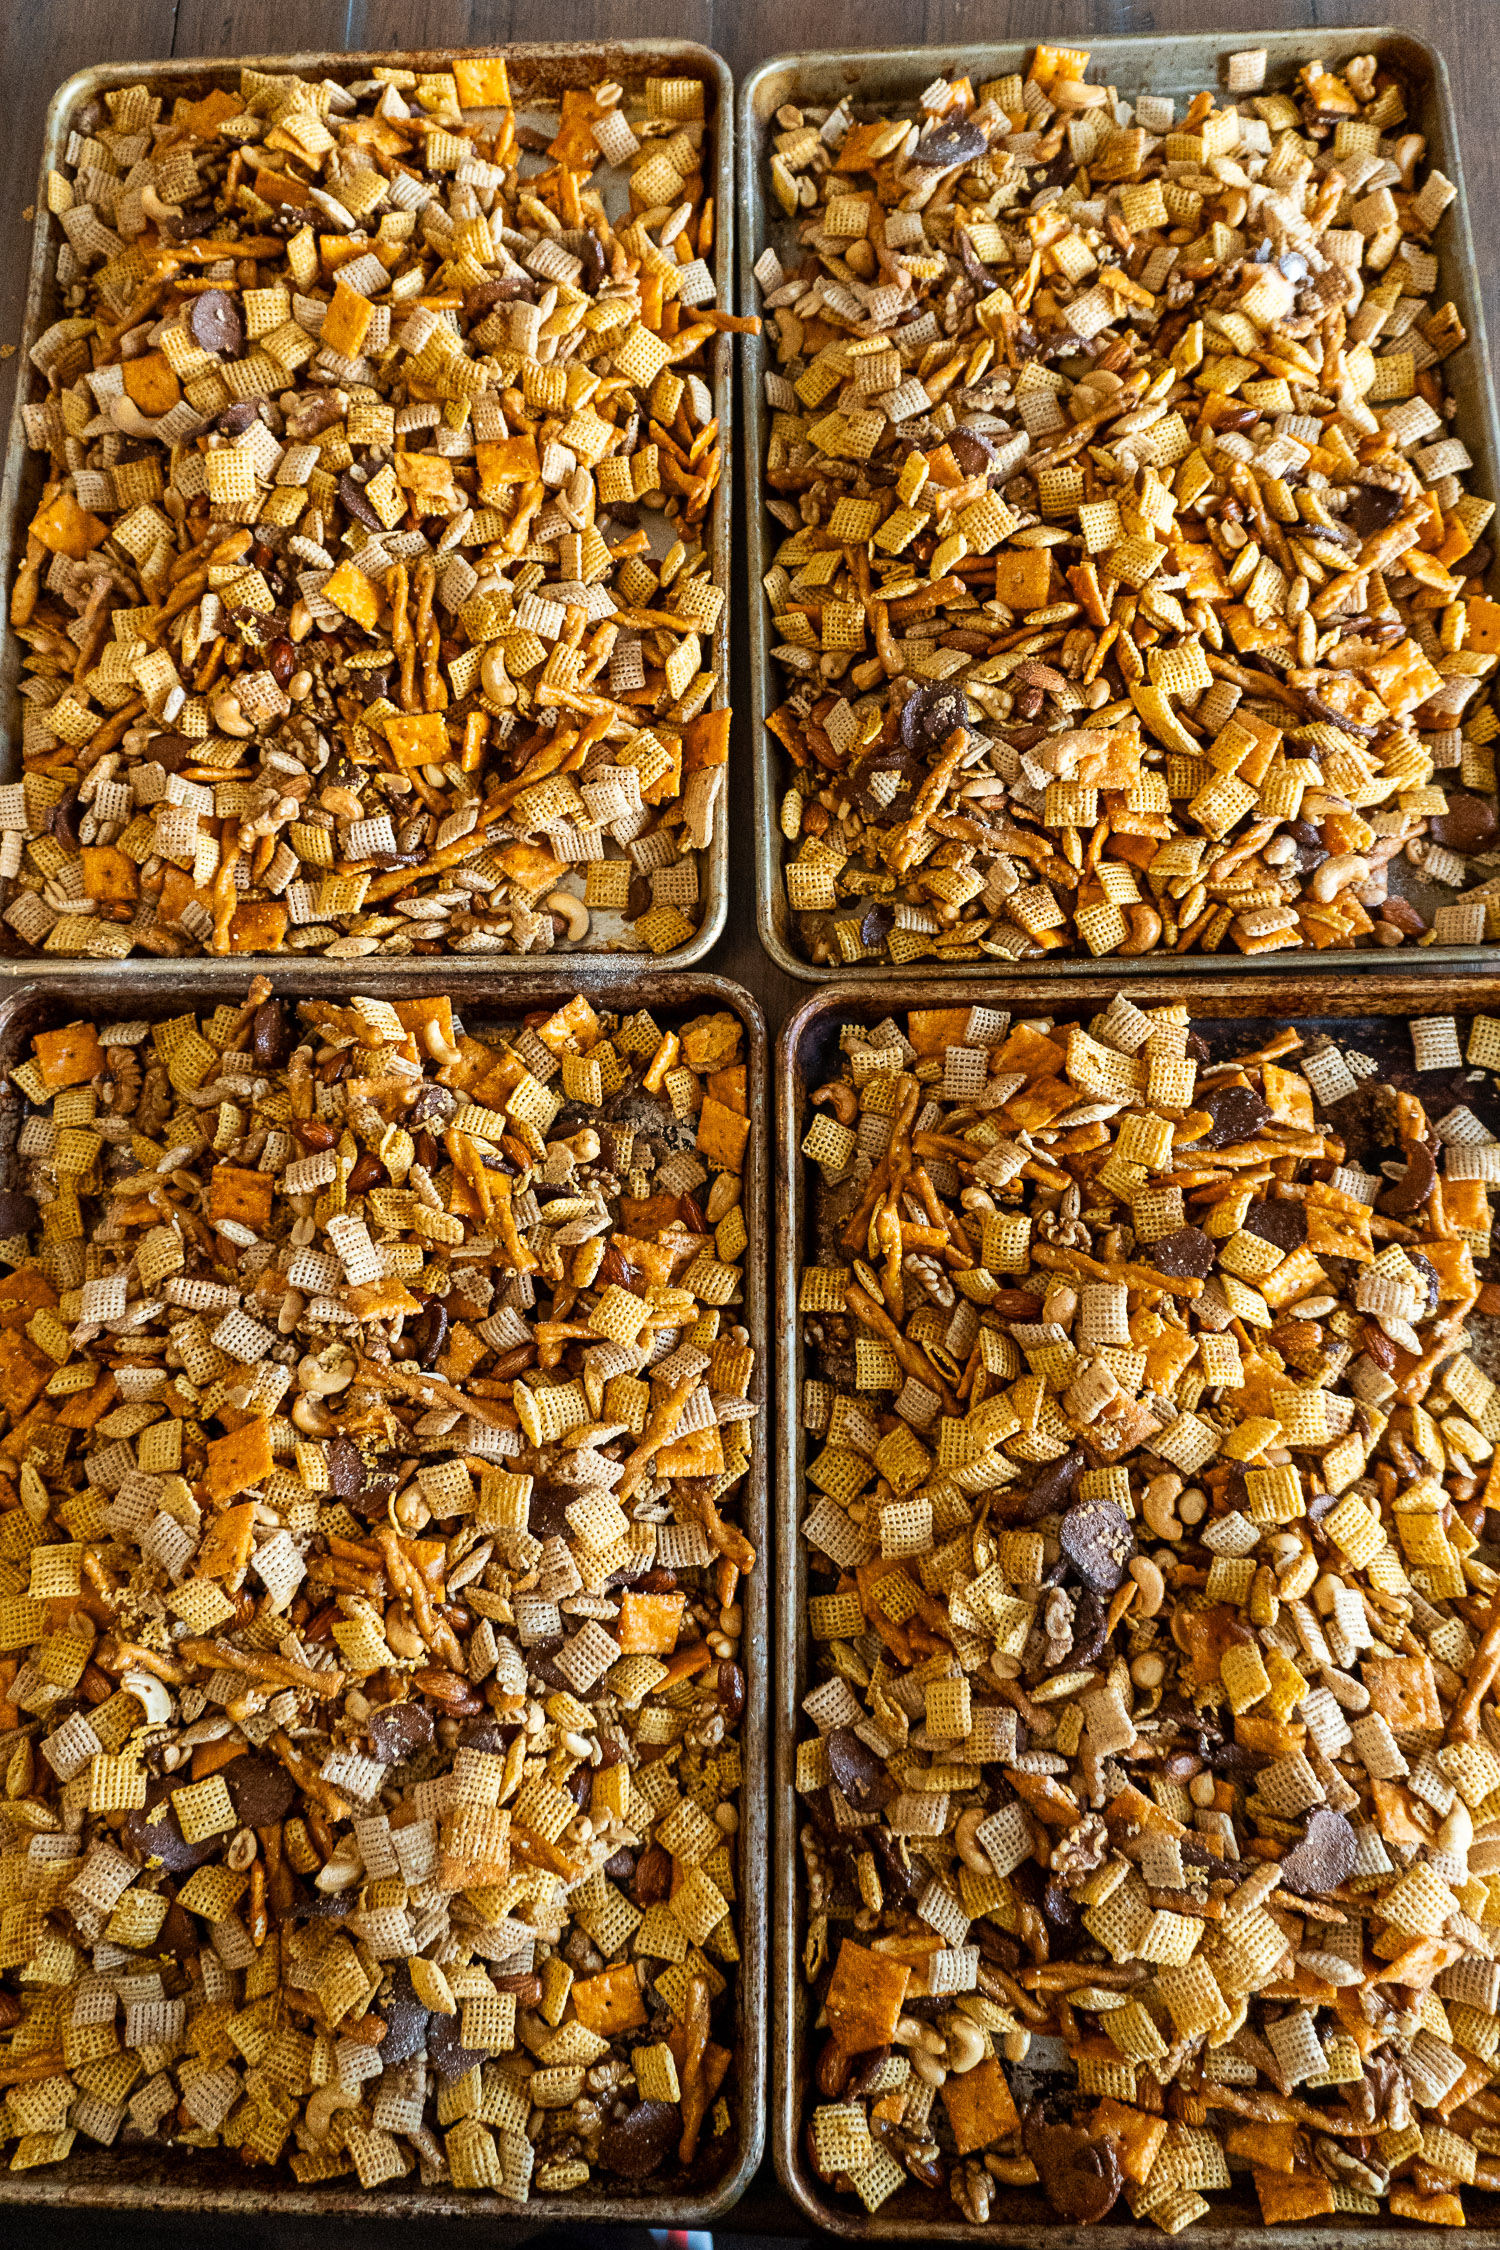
<point>928,2068</point>
<point>311,1418</point>
<point>323,2105</point>
<point>967,2044</point>
<point>493,677</point>
<point>402,1634</point>
<point>1017,2044</point>
<point>327,1372</point>
<point>1157,1505</point>
<point>407,1511</point>
<point>966,1841</point>
<point>300,623</point>
<point>912,2032</point>
<point>224,710</point>
<point>1337,874</point>
<point>1456,1834</point>
<point>1407,155</point>
<point>1010,2171</point>
<point>151,1695</point>
<point>1144,924</point>
<point>127,417</point>
<point>841,1099</point>
<point>573,911</point>
<point>160,214</point>
<point>1151,1583</point>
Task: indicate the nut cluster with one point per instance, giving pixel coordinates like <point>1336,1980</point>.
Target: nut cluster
<point>370,1625</point>
<point>366,607</point>
<point>1130,598</point>
<point>1150,1773</point>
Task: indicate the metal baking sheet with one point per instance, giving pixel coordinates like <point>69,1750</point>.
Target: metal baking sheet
<point>539,75</point>
<point>1179,64</point>
<point>214,2180</point>
<point>1233,1011</point>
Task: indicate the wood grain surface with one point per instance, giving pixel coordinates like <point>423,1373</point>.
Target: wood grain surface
<point>43,41</point>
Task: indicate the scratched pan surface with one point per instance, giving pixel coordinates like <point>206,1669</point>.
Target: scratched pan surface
<point>1179,65</point>
<point>539,76</point>
<point>211,2181</point>
<point>1231,1015</point>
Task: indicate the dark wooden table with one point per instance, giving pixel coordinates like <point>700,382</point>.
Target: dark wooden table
<point>43,41</point>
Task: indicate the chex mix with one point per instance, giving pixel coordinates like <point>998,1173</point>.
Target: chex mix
<point>366,606</point>
<point>1149,1762</point>
<point>377,1404</point>
<point>1129,595</point>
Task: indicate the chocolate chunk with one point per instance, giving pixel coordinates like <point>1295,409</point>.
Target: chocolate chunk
<point>1238,1114</point>
<point>502,289</point>
<point>1187,1253</point>
<point>236,419</point>
<point>973,453</point>
<point>346,1468</point>
<point>930,715</point>
<point>406,2020</point>
<point>398,1731</point>
<point>1284,1224</point>
<point>1466,826</point>
<point>154,1830</point>
<point>271,1034</point>
<point>1062,1910</point>
<point>899,1878</point>
<point>431,1101</point>
<point>487,1734</point>
<point>890,758</point>
<point>1411,1191</point>
<point>1427,1274</point>
<point>429,1332</point>
<point>314,412</point>
<point>1098,1541</point>
<point>1089,1621</point>
<point>1079,2171</point>
<point>178,1935</point>
<point>17,1211</point>
<point>450,2057</point>
<point>352,494</point>
<point>1371,509</point>
<point>328,1906</point>
<point>548,1518</point>
<point>1052,1491</point>
<point>640,2142</point>
<point>858,1772</point>
<point>214,319</point>
<point>1324,1858</point>
<point>260,1789</point>
<point>172,752</point>
<point>958,143</point>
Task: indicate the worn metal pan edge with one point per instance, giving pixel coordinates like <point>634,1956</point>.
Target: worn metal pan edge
<point>550,66</point>
<point>1166,61</point>
<point>211,2181</point>
<point>1019,2214</point>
